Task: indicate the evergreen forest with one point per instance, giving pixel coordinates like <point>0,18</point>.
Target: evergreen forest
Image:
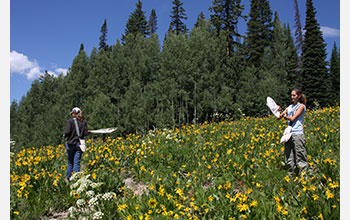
<point>208,73</point>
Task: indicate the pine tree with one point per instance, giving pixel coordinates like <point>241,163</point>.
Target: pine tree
<point>177,16</point>
<point>315,80</point>
<point>298,34</point>
<point>258,31</point>
<point>81,47</point>
<point>277,62</point>
<point>137,23</point>
<point>76,77</point>
<point>153,22</point>
<point>291,60</point>
<point>200,20</point>
<point>225,17</point>
<point>298,29</point>
<point>335,73</point>
<point>103,37</point>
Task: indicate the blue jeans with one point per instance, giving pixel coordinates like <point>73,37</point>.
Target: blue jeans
<point>74,155</point>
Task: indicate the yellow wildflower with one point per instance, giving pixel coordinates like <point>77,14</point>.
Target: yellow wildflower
<point>121,207</point>
<point>242,207</point>
<point>254,203</point>
<point>321,216</point>
<point>152,203</point>
<point>287,179</point>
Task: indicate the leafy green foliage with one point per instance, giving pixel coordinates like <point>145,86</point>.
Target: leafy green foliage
<point>315,77</point>
<point>137,23</point>
<point>229,169</point>
<point>335,73</point>
<point>103,37</point>
<point>139,84</point>
<point>259,29</point>
<point>177,16</point>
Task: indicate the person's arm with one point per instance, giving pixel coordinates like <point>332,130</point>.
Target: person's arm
<point>283,113</point>
<point>86,131</point>
<point>296,115</point>
<point>67,131</point>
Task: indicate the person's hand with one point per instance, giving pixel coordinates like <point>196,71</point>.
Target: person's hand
<point>281,116</point>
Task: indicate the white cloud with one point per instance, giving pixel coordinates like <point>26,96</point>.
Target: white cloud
<point>33,72</point>
<point>19,63</point>
<point>330,32</point>
<point>52,73</point>
<point>61,71</point>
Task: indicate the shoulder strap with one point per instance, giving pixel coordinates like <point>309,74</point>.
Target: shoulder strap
<point>76,126</point>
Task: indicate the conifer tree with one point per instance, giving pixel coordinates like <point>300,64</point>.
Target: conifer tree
<point>335,73</point>
<point>291,60</point>
<point>298,34</point>
<point>225,17</point>
<point>278,61</point>
<point>200,19</point>
<point>153,22</point>
<point>76,76</point>
<point>103,37</point>
<point>258,31</point>
<point>177,16</point>
<point>81,47</point>
<point>315,80</point>
<point>298,28</point>
<point>137,23</point>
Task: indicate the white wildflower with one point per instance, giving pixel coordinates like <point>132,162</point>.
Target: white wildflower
<point>93,202</point>
<point>108,196</point>
<point>97,215</point>
<point>90,193</point>
<point>96,185</point>
<point>72,210</point>
<point>80,202</point>
<point>76,175</point>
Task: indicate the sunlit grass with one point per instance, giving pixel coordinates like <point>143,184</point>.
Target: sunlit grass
<point>226,170</point>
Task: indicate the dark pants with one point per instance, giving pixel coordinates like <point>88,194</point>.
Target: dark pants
<point>74,155</point>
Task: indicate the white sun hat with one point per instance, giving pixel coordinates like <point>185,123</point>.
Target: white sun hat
<point>273,106</point>
<point>286,134</point>
<point>75,110</point>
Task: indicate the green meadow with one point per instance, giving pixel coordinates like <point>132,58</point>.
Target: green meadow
<point>219,170</point>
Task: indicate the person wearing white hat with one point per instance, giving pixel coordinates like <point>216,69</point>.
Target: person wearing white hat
<point>77,121</point>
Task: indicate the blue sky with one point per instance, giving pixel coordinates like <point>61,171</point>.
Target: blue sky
<point>46,35</point>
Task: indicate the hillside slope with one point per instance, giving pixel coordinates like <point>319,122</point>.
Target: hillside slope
<point>226,170</point>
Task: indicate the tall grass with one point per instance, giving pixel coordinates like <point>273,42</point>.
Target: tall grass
<point>226,170</point>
